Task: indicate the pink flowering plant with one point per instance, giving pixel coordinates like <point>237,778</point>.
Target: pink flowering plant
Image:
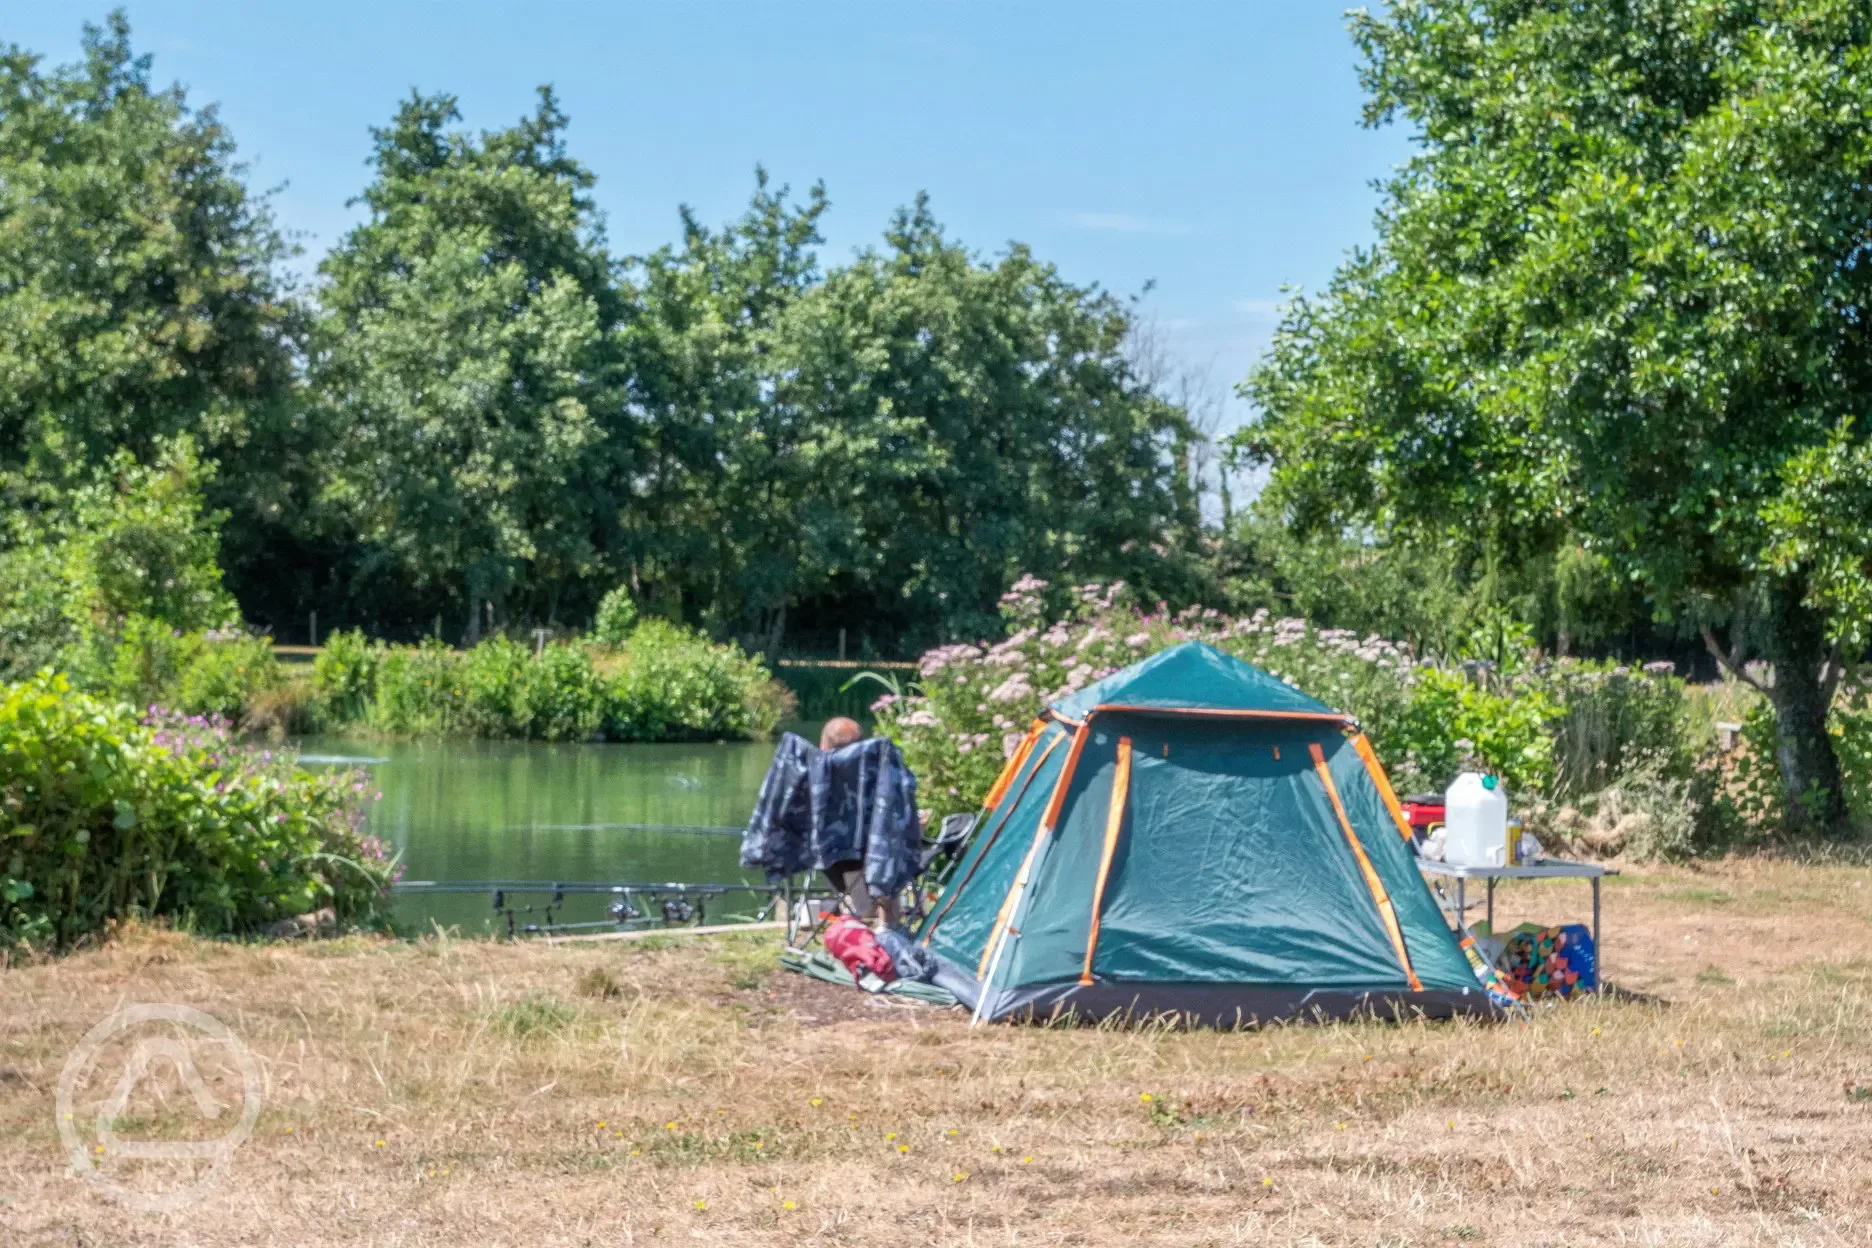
<point>110,813</point>
<point>971,703</point>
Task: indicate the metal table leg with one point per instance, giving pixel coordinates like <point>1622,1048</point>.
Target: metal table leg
<point>1491,906</point>
<point>1598,949</point>
<point>1462,909</point>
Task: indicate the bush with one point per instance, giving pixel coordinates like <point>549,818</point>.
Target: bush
<point>418,691</point>
<point>112,817</point>
<point>226,676</point>
<point>344,677</point>
<point>670,684</point>
<point>149,663</point>
<point>664,684</point>
<point>1552,730</point>
<point>1753,788</point>
<point>617,617</point>
<point>1455,720</point>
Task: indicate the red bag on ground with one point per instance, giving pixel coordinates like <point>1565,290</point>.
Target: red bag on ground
<point>854,945</point>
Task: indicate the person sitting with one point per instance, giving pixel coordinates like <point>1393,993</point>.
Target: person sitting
<point>847,876</point>
<point>840,732</point>
<point>847,808</point>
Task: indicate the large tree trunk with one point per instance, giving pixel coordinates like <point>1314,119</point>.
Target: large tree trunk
<point>1810,772</point>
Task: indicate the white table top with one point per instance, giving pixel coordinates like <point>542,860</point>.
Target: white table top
<point>1545,869</point>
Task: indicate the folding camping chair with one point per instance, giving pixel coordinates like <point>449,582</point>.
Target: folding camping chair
<point>938,853</point>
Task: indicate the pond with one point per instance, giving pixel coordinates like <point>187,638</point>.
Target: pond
<point>470,811</point>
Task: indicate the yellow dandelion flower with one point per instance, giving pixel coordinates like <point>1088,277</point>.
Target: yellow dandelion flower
<point>1266,1182</point>
<point>701,1204</point>
<point>997,1148</point>
<point>789,1205</point>
<point>1715,1191</point>
<point>669,1126</point>
<point>99,1149</point>
<point>601,1126</point>
<point>1027,1160</point>
<point>817,1101</point>
<point>1341,1126</point>
<point>1146,1097</point>
<point>379,1144</point>
<point>1368,1057</point>
<point>952,1130</point>
<point>890,1135</point>
<point>445,1174</point>
<point>635,1153</point>
<point>959,1177</point>
<point>289,1130</point>
<point>1595,1031</point>
<point>903,1148</point>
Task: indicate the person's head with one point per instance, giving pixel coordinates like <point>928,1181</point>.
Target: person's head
<point>839,733</point>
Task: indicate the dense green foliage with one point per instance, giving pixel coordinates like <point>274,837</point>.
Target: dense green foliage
<point>1561,733</point>
<point>1617,301</point>
<point>142,290</point>
<point>466,365</point>
<point>497,421</point>
<point>109,816</point>
<point>663,683</point>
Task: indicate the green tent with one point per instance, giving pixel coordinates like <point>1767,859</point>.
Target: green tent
<point>1192,835</point>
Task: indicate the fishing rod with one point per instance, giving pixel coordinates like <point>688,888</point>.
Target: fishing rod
<point>634,905</point>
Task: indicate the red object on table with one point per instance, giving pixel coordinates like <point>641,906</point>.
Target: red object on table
<point>1423,812</point>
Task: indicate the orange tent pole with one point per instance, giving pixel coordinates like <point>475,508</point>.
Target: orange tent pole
<point>1377,772</point>
<point>1040,834</point>
<point>989,844</point>
<point>1013,767</point>
<point>1383,899</point>
<point>1114,820</point>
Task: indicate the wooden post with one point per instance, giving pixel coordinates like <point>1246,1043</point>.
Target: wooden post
<point>841,645</point>
<point>539,637</point>
<point>312,628</point>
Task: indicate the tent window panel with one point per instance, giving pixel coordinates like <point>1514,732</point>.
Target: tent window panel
<point>1437,960</point>
<point>1235,870</point>
<point>964,928</point>
<point>1056,924</point>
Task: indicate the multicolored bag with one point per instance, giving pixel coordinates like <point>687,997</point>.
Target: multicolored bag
<point>1548,960</point>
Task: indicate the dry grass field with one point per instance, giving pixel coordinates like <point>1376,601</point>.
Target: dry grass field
<point>465,1093</point>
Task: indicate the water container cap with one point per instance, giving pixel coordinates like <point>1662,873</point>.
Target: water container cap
<point>1489,782</point>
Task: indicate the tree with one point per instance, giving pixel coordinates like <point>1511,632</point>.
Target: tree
<point>964,421</point>
<point>706,533</point>
<point>1619,297</point>
<point>140,296</point>
<point>467,365</point>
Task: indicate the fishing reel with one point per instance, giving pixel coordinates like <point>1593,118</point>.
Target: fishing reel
<point>623,912</point>
<point>677,910</point>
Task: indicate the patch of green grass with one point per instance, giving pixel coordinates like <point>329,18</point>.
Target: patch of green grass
<point>538,1014</point>
<point>1711,975</point>
<point>1699,895</point>
<point>749,959</point>
<point>598,982</point>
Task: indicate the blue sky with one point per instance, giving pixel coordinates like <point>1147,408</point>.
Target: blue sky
<point>1212,147</point>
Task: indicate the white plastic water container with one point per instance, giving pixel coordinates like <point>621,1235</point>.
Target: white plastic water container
<point>1475,812</point>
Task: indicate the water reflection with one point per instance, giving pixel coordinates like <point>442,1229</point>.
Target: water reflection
<point>521,811</point>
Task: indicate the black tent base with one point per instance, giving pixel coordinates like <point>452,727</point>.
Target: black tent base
<point>1227,1006</point>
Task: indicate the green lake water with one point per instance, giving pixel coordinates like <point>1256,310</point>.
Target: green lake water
<point>470,811</point>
